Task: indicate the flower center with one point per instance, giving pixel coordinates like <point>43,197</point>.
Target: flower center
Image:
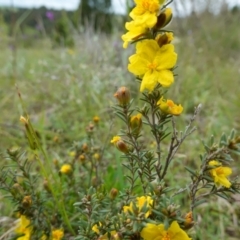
<point>152,66</point>
<point>170,103</point>
<point>151,6</point>
<point>166,237</point>
<point>219,171</point>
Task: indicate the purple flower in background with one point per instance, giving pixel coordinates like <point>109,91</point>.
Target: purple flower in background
<point>50,15</point>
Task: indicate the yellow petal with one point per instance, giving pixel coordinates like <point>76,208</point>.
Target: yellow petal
<point>149,80</point>
<point>165,78</point>
<point>137,65</point>
<point>166,57</point>
<point>176,233</point>
<point>152,231</point>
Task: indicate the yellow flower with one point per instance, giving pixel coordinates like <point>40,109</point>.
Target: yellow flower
<point>153,63</point>
<point>219,173</point>
<point>140,203</point>
<point>66,169</point>
<point>120,144</point>
<point>169,107</point>
<point>24,228</point>
<point>158,232</point>
<point>135,31</point>
<point>57,234</point>
<point>146,12</point>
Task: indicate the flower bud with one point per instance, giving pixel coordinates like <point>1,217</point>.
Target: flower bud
<point>123,96</point>
<point>164,18</point>
<point>165,38</point>
<point>81,158</point>
<point>46,185</point>
<point>85,147</point>
<point>96,119</point>
<point>13,151</point>
<point>27,201</point>
<point>136,123</point>
<point>113,193</point>
<point>96,156</point>
<point>188,223</point>
<point>120,144</point>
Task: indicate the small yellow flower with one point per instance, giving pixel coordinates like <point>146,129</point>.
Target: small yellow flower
<point>153,64</point>
<point>219,173</point>
<point>120,144</point>
<point>146,12</point>
<point>24,228</point>
<point>140,203</point>
<point>158,232</point>
<point>57,234</point>
<point>66,169</point>
<point>169,107</point>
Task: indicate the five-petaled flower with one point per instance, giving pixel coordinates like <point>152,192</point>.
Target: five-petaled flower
<point>220,173</point>
<point>66,169</point>
<point>153,63</point>
<point>158,232</point>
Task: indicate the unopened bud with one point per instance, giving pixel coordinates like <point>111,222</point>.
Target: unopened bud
<point>123,96</point>
<point>16,190</point>
<point>27,201</point>
<point>85,147</point>
<point>13,151</point>
<point>120,144</point>
<point>46,185</point>
<point>81,158</point>
<point>188,223</point>
<point>164,18</point>
<point>24,120</point>
<point>136,123</point>
<point>113,193</point>
<point>165,38</point>
<point>96,119</point>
